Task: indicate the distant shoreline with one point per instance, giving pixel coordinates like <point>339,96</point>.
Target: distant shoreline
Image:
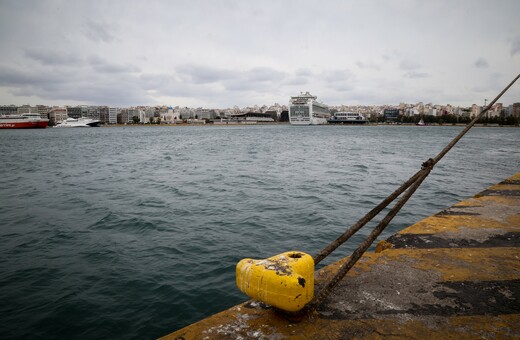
<point>287,123</point>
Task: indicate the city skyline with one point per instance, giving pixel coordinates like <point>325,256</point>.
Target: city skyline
<point>222,54</point>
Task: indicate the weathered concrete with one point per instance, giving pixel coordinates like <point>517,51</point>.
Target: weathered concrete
<point>452,275</point>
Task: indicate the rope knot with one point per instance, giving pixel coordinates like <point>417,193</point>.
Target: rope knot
<point>428,164</point>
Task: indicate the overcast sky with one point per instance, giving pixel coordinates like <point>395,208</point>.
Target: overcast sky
<point>218,54</point>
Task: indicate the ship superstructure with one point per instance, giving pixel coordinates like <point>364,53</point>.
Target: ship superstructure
<point>305,109</point>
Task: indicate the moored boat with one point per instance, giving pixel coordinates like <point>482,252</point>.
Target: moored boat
<point>305,109</point>
<point>23,121</point>
<point>79,122</point>
<point>347,118</point>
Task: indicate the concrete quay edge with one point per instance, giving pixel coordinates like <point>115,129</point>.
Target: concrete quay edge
<point>455,274</point>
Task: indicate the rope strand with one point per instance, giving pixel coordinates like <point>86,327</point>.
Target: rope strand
<point>410,187</point>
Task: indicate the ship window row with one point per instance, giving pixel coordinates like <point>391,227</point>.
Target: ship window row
<point>296,111</point>
<point>346,114</point>
<point>320,109</point>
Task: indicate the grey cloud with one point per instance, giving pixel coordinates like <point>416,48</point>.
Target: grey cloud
<point>101,65</point>
<point>90,91</point>
<point>368,65</point>
<point>339,80</point>
<point>480,89</point>
<point>98,32</point>
<point>108,93</point>
<point>11,76</point>
<point>303,72</point>
<point>296,81</point>
<point>71,84</point>
<point>200,74</point>
<point>481,63</point>
<point>341,87</point>
<point>122,34</point>
<point>241,85</point>
<point>51,57</point>
<point>301,77</point>
<point>337,75</point>
<point>515,46</point>
<point>491,84</point>
<point>409,65</point>
<point>258,79</point>
<point>151,81</point>
<point>163,84</point>
<point>260,74</point>
<point>414,75</point>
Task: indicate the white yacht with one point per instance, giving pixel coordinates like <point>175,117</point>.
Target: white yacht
<point>305,109</point>
<point>348,118</point>
<point>78,122</point>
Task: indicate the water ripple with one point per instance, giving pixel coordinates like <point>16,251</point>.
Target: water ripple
<point>124,239</point>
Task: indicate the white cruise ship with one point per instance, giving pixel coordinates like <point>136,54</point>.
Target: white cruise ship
<point>304,109</point>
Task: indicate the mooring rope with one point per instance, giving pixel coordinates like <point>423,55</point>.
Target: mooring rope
<point>410,187</point>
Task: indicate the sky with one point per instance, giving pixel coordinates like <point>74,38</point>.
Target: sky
<point>220,54</point>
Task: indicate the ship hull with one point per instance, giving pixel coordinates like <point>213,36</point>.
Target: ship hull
<point>24,125</point>
<point>309,121</point>
<point>351,122</point>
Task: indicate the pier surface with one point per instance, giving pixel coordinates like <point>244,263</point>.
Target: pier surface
<point>452,275</point>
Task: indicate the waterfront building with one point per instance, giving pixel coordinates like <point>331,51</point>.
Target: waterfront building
<point>169,116</point>
<point>57,115</point>
<point>284,116</point>
<point>27,109</point>
<point>273,113</point>
<point>112,115</point>
<point>84,110</point>
<point>187,114</point>
<point>176,115</point>
<point>430,112</point>
<point>160,112</point>
<point>475,110</point>
<point>149,113</point>
<point>411,111</point>
<point>93,112</point>
<point>515,110</point>
<point>123,117</point>
<point>391,114</point>
<point>495,111</point>
<point>43,111</point>
<point>8,109</point>
<point>134,112</point>
<point>253,117</point>
<point>201,113</point>
<point>103,114</point>
<point>74,111</point>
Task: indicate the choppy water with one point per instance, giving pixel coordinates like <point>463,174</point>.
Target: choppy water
<point>135,232</point>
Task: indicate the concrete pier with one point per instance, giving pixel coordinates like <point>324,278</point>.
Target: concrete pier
<point>452,275</point>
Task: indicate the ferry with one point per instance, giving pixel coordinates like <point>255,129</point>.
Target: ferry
<point>305,109</point>
<point>348,118</point>
<point>23,121</point>
<point>78,122</point>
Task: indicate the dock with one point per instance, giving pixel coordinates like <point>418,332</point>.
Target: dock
<point>453,275</point>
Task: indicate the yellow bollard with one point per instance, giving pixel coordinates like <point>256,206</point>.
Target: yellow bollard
<point>284,281</point>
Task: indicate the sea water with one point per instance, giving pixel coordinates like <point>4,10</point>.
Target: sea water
<point>134,232</point>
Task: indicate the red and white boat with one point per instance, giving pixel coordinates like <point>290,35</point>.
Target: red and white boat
<point>23,121</point>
